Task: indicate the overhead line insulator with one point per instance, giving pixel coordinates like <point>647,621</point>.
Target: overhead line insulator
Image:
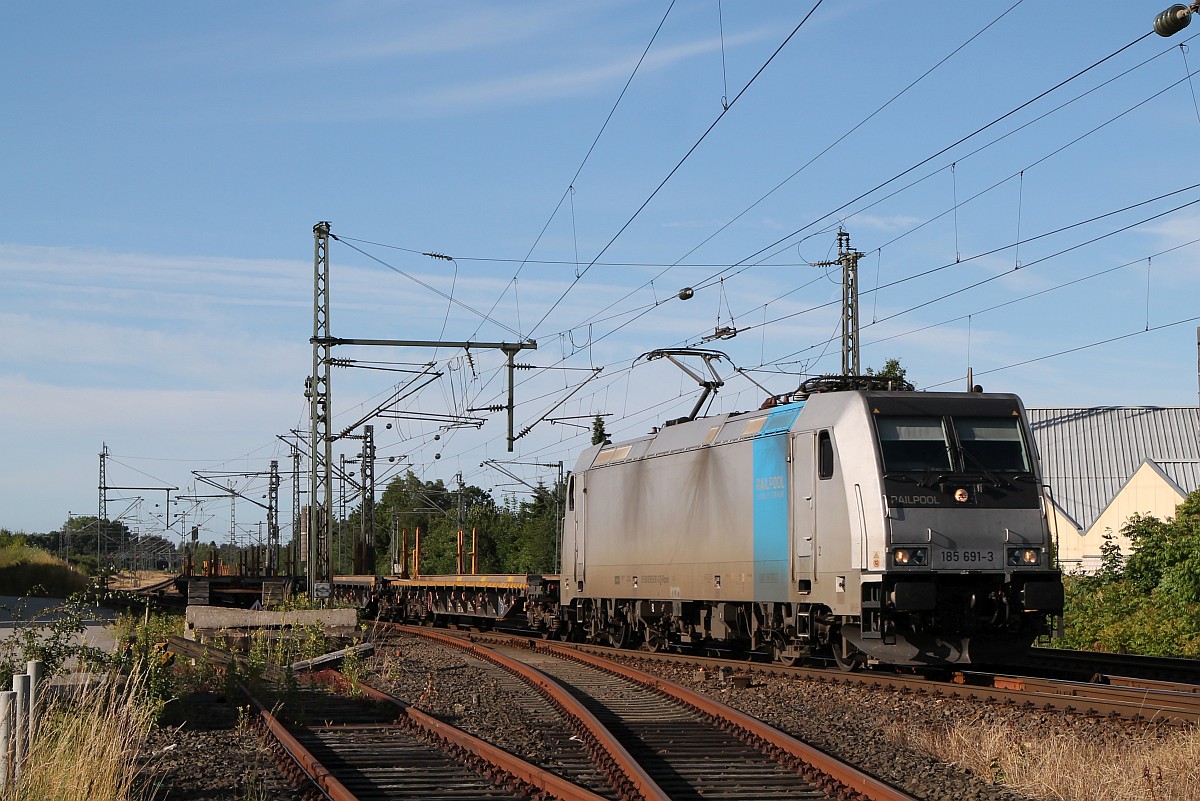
<point>1173,20</point>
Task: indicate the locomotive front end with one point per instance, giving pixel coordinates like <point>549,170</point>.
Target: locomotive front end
<point>965,571</point>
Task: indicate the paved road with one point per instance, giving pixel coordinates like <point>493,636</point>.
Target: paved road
<point>97,630</point>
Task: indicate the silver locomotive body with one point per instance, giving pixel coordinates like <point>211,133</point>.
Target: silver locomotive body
<point>903,527</point>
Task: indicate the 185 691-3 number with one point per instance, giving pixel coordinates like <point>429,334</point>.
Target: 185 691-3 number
<point>967,557</point>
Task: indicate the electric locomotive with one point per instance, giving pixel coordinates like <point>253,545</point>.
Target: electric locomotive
<point>847,520</point>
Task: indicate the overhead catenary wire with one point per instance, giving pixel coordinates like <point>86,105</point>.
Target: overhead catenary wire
<point>949,147</point>
<point>715,278</point>
<point>431,288</point>
<point>570,190</point>
<point>1019,299</point>
<point>1039,236</point>
<point>1006,246</point>
<point>725,110</point>
<point>1068,351</point>
<point>655,305</point>
<point>825,150</point>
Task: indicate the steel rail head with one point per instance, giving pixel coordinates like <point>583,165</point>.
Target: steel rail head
<point>629,778</point>
<point>836,778</point>
<point>309,765</point>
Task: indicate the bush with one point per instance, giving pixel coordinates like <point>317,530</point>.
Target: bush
<point>1149,602</point>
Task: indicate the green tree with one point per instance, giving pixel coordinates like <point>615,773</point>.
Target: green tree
<point>1148,602</point>
<point>891,369</point>
<point>9,539</point>
<point>1112,562</point>
<point>599,435</point>
<point>1166,554</point>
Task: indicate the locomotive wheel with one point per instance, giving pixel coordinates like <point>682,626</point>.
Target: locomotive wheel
<point>849,663</point>
<point>777,648</point>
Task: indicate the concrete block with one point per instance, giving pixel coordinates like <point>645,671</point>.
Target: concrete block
<point>199,621</point>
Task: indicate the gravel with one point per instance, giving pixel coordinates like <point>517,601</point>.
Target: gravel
<point>866,726</point>
<point>203,750</point>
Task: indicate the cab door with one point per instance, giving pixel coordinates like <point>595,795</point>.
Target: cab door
<point>803,506</point>
<point>579,522</point>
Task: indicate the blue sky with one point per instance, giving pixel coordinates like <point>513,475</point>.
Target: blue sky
<point>166,164</point>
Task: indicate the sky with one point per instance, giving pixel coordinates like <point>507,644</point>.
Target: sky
<point>1019,179</point>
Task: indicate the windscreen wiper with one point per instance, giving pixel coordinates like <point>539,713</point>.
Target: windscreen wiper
<point>988,474</point>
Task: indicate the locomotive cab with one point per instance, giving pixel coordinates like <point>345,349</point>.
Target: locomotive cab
<point>963,570</point>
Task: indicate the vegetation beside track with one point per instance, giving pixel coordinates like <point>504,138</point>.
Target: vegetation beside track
<point>1159,766</point>
<point>24,568</point>
<point>1147,602</point>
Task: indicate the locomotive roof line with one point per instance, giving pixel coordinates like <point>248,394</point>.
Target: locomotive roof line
<point>844,383</point>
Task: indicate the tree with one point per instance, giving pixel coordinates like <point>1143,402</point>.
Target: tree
<point>10,539</point>
<point>540,524</point>
<point>891,369</point>
<point>599,435</point>
<point>1148,602</point>
<point>1111,560</point>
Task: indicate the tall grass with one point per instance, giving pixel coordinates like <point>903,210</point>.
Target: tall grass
<point>1161,766</point>
<point>23,568</point>
<point>87,743</point>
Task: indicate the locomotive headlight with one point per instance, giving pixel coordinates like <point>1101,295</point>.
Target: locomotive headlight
<point>1024,556</point>
<point>907,557</point>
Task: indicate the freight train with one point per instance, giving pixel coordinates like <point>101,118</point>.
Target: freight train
<point>847,521</point>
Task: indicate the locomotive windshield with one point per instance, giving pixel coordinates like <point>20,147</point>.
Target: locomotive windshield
<point>990,444</point>
<point>913,443</point>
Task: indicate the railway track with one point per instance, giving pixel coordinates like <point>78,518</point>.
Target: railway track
<point>634,744</point>
<point>408,758</point>
<point>1106,695</point>
<point>1113,668</point>
<point>656,740</point>
<point>379,747</point>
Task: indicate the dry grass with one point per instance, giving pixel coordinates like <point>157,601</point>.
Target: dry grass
<point>1150,767</point>
<point>22,568</point>
<point>86,746</point>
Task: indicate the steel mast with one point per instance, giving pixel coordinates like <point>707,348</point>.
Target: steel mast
<point>320,497</point>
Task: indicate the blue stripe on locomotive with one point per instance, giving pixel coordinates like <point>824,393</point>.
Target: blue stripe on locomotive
<point>770,490</point>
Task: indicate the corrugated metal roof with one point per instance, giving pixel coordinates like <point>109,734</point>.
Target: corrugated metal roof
<point>1185,473</point>
<point>1089,454</point>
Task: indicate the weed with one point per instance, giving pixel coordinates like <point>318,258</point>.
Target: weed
<point>354,668</point>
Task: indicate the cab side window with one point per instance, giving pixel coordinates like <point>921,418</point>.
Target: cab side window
<point>570,493</point>
<point>824,456</point>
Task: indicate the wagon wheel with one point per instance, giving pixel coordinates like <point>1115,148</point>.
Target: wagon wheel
<point>618,633</point>
<point>654,642</point>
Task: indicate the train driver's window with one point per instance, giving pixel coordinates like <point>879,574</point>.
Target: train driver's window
<point>913,443</point>
<point>570,493</point>
<point>824,455</point>
<point>992,443</point>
